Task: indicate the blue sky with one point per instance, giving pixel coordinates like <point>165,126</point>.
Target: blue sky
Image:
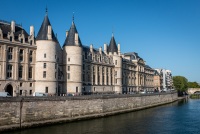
<point>165,33</point>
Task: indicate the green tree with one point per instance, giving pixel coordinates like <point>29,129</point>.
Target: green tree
<point>180,83</point>
<point>193,85</point>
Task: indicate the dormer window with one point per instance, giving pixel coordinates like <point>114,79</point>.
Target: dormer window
<point>21,40</point>
<point>10,38</point>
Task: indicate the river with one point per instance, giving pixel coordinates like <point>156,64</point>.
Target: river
<point>176,118</point>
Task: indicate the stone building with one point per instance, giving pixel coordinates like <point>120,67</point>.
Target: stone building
<point>30,63</point>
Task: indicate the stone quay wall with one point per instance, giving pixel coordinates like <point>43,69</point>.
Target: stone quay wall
<point>19,113</point>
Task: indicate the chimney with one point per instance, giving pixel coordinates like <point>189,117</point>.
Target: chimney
<point>105,48</point>
<point>12,26</point>
<point>32,30</point>
<point>49,34</point>
<point>76,39</point>
<point>100,50</point>
<point>91,48</point>
<point>119,49</point>
<point>67,33</point>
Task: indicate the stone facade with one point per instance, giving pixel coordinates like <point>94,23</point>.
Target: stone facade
<point>30,63</point>
<point>47,110</point>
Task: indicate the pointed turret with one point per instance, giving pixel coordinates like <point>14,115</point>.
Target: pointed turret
<point>72,37</point>
<point>46,32</point>
<point>112,46</point>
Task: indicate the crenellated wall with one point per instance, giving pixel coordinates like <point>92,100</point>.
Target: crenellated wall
<point>39,111</point>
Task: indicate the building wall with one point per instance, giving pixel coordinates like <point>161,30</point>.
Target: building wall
<point>21,53</point>
<point>41,110</point>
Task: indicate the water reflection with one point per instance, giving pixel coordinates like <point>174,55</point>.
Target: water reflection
<point>177,118</point>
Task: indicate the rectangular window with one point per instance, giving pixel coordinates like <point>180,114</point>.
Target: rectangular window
<point>0,52</point>
<point>44,74</point>
<point>93,79</point>
<point>45,55</point>
<point>68,68</point>
<point>46,89</point>
<point>20,71</point>
<point>83,66</point>
<point>68,59</point>
<point>83,77</point>
<point>55,74</point>
<point>85,55</point>
<point>31,56</point>
<point>115,73</point>
<point>31,84</point>
<point>30,71</point>
<point>9,71</point>
<point>20,92</point>
<point>30,92</point>
<point>115,62</point>
<point>55,66</point>
<point>68,76</point>
<point>21,52</point>
<point>10,50</point>
<point>45,65</point>
<point>20,84</point>
<point>76,89</point>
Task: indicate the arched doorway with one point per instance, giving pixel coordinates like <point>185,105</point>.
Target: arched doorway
<point>9,89</point>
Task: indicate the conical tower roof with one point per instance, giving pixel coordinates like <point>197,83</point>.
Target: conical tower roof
<point>70,39</point>
<point>42,34</point>
<point>112,46</point>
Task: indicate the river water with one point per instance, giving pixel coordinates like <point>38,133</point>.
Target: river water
<point>181,117</point>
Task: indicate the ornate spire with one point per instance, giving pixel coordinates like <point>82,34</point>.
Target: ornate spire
<point>73,18</point>
<point>46,10</point>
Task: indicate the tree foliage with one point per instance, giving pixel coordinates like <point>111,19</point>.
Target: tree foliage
<point>193,85</point>
<point>180,83</point>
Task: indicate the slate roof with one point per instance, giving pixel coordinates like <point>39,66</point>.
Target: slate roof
<point>133,53</point>
<point>70,39</point>
<point>87,49</point>
<point>6,27</point>
<point>42,34</point>
<point>112,46</point>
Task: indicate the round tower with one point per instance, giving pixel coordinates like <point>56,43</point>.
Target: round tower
<point>46,63</point>
<point>72,59</point>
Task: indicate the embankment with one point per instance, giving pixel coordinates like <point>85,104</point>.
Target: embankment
<point>16,113</point>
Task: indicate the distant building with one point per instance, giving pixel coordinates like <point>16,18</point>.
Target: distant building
<point>157,81</point>
<point>164,77</point>
<point>31,64</point>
